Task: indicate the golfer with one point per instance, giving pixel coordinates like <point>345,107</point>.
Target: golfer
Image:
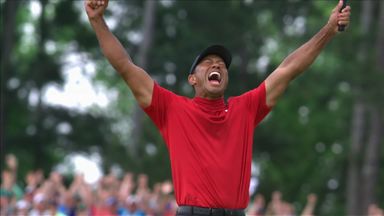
<point>208,138</point>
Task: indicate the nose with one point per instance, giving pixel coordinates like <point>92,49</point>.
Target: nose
<point>216,65</point>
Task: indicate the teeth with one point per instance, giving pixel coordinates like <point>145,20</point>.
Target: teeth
<point>215,73</point>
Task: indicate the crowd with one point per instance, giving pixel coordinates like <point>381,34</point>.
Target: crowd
<point>111,195</point>
<point>127,196</point>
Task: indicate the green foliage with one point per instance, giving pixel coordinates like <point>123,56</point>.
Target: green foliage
<point>32,129</point>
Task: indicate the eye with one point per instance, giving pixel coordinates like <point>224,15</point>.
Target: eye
<point>207,61</point>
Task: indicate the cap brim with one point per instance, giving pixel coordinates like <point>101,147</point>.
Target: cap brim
<point>218,50</point>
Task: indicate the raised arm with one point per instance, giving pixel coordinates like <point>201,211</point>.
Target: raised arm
<point>298,61</point>
<point>137,79</point>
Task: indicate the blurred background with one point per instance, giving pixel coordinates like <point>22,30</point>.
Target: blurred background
<point>64,109</point>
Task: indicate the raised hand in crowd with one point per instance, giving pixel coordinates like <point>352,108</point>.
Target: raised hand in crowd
<point>309,208</point>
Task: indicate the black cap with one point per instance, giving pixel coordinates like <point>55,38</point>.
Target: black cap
<point>216,50</point>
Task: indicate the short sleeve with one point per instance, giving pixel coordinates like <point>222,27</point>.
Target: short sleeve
<point>158,109</point>
<point>257,103</point>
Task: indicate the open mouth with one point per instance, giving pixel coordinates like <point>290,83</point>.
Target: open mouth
<point>214,77</point>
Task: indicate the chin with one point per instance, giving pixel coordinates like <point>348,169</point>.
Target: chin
<point>218,89</point>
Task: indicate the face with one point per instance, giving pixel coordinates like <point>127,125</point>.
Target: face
<point>210,78</point>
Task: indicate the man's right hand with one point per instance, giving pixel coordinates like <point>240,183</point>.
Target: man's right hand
<point>95,8</point>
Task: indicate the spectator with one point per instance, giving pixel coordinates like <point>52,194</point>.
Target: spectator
<point>22,207</point>
<point>131,207</point>
<point>31,185</point>
<point>6,197</point>
<point>310,206</point>
<point>278,207</point>
<point>40,205</point>
<point>374,210</point>
<point>7,194</point>
<point>258,206</point>
<point>126,187</point>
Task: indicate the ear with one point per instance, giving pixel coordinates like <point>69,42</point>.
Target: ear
<point>192,79</point>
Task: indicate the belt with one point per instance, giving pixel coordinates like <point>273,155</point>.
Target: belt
<point>194,210</point>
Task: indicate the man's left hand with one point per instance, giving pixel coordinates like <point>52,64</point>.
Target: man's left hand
<point>339,18</point>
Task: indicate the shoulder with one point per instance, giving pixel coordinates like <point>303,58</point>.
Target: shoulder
<point>164,97</point>
<point>259,91</point>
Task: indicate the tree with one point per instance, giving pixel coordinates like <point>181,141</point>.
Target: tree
<point>367,120</point>
<point>40,134</point>
<point>142,61</point>
<point>9,8</point>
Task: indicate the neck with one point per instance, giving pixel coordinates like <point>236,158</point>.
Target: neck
<point>208,95</point>
<point>210,105</point>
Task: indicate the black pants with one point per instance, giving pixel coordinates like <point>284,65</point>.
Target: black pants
<point>194,210</point>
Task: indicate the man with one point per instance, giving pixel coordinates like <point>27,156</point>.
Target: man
<point>209,139</point>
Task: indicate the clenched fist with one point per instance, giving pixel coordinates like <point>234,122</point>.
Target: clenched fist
<point>95,8</point>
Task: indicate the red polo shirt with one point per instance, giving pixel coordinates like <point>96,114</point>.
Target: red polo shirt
<point>209,144</point>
